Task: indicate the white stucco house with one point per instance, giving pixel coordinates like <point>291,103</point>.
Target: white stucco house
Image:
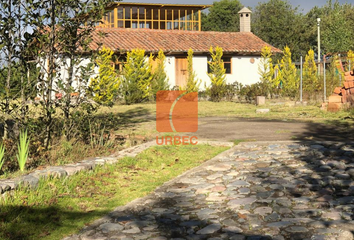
<point>175,29</point>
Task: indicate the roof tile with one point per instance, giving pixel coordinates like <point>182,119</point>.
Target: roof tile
<point>120,39</point>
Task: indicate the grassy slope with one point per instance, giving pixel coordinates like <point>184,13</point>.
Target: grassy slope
<point>58,208</point>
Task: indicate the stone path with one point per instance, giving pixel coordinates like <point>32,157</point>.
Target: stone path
<point>258,190</point>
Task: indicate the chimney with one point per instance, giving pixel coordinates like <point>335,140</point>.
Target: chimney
<point>245,20</point>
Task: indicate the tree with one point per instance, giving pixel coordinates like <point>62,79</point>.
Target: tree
<point>192,81</point>
<point>159,78</point>
<point>310,78</point>
<point>217,74</point>
<point>137,77</point>
<point>223,16</point>
<point>62,37</point>
<point>336,27</point>
<point>105,85</point>
<point>278,23</point>
<point>287,76</point>
<point>13,65</point>
<point>266,70</point>
<point>336,31</point>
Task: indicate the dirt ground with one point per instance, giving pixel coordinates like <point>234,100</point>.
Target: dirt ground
<point>230,129</point>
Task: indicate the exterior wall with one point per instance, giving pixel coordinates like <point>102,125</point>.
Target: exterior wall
<point>62,71</point>
<point>170,68</point>
<point>242,70</point>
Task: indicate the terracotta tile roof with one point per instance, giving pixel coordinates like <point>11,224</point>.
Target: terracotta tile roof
<point>120,39</point>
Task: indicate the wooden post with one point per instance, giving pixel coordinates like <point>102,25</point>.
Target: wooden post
<point>115,18</point>
<point>159,18</point>
<point>200,20</point>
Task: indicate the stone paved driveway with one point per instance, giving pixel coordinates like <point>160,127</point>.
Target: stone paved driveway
<point>282,190</point>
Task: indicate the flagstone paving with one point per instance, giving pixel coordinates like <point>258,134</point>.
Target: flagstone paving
<point>258,190</point>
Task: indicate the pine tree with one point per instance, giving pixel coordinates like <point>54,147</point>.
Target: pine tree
<point>266,70</point>
<point>105,85</point>
<point>137,77</point>
<point>159,80</point>
<point>193,82</point>
<point>310,78</point>
<point>287,77</point>
<point>217,74</point>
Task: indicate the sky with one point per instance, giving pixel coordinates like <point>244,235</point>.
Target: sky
<point>304,5</point>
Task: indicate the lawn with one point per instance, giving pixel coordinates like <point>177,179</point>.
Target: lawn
<point>59,207</point>
<point>139,119</point>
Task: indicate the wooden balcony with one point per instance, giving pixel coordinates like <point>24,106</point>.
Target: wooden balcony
<point>153,16</point>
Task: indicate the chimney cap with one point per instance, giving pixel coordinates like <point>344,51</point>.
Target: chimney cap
<point>245,10</point>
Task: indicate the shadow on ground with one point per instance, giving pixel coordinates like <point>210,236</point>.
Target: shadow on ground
<point>21,222</point>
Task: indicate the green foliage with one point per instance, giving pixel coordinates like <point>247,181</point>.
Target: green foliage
<point>2,153</point>
<point>223,16</point>
<point>287,76</point>
<point>217,75</point>
<point>104,87</point>
<point>332,77</point>
<point>266,71</point>
<point>350,60</point>
<point>310,75</point>
<point>193,82</point>
<point>159,78</point>
<point>336,27</point>
<point>137,77</point>
<point>23,147</point>
<point>278,23</point>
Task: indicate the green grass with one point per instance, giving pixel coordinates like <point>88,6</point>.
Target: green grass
<point>61,207</point>
<point>139,118</point>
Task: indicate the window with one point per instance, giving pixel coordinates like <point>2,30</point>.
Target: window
<point>227,64</point>
<point>119,63</point>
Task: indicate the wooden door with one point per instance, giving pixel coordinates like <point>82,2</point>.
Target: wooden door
<point>181,71</point>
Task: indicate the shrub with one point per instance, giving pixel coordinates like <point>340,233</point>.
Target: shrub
<point>193,82</point>
<point>217,74</point>
<point>137,77</point>
<point>287,78</point>
<point>311,83</point>
<point>266,71</point>
<point>159,78</point>
<point>104,87</point>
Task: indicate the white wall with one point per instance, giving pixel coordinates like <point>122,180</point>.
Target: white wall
<point>170,68</point>
<point>242,70</point>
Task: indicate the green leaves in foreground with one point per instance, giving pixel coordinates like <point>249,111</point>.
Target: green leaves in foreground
<point>22,154</point>
<point>2,153</point>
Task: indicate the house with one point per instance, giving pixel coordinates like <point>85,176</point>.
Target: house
<point>175,28</point>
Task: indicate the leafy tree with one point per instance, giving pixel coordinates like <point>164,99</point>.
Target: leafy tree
<point>223,16</point>
<point>287,76</point>
<point>217,74</point>
<point>336,27</point>
<point>63,27</point>
<point>278,23</point>
<point>105,85</point>
<point>159,78</point>
<point>193,82</point>
<point>137,77</point>
<point>266,70</point>
<point>310,78</point>
<point>336,31</point>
